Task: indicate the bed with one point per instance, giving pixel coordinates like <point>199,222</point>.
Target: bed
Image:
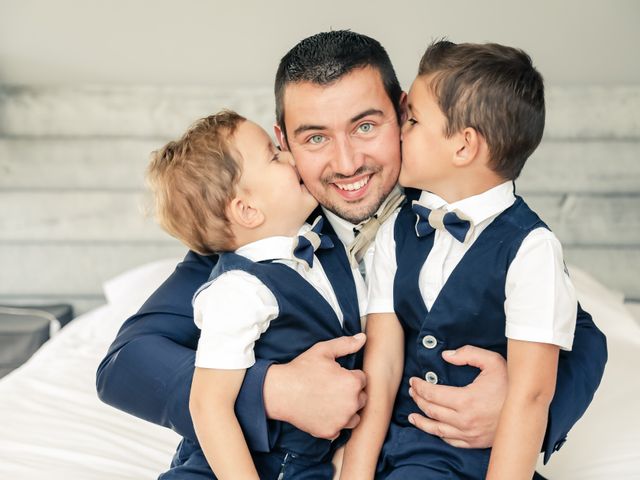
<point>52,423</point>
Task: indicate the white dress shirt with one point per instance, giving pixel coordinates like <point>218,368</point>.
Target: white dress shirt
<point>236,308</point>
<point>346,233</point>
<point>541,304</point>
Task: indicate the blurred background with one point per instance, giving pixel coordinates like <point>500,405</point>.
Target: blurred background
<point>89,88</point>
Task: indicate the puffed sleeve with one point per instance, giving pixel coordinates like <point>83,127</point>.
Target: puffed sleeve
<point>232,312</point>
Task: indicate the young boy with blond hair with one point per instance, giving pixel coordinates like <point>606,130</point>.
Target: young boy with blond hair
<point>465,261</point>
<point>279,285</point>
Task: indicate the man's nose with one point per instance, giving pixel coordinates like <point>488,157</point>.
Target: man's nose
<point>347,158</point>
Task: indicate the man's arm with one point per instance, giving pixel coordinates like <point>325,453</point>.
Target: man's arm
<point>579,374</point>
<point>148,369</point>
<point>468,416</point>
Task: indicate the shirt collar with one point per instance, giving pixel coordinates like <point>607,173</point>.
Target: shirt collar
<point>271,248</point>
<point>344,229</point>
<point>477,207</point>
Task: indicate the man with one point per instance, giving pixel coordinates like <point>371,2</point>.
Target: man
<point>339,107</point>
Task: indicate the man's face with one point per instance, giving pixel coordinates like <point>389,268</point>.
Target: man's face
<point>345,140</point>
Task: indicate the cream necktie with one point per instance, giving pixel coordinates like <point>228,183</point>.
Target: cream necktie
<point>367,231</point>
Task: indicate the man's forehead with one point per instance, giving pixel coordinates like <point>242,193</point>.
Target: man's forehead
<point>348,97</point>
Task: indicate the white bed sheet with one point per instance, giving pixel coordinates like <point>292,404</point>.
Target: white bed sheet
<point>53,425</point>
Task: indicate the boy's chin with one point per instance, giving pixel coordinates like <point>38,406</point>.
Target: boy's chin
<point>407,183</point>
<point>308,208</point>
<point>411,183</point>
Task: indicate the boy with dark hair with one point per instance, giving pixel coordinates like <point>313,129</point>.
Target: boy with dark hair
<point>460,261</point>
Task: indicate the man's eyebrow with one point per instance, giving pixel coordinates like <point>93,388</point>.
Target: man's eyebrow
<point>305,127</point>
<point>366,113</point>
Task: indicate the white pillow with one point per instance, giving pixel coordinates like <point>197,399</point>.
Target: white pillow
<point>129,290</point>
<point>606,307</point>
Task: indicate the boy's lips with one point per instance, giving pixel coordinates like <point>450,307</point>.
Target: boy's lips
<point>353,188</point>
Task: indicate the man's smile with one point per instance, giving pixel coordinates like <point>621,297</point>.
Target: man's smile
<point>352,188</point>
<point>357,185</point>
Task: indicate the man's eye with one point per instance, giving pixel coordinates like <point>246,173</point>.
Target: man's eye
<point>411,121</point>
<point>276,157</point>
<point>316,139</point>
<point>365,127</point>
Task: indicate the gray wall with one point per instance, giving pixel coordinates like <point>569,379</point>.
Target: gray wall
<point>72,154</point>
<point>237,43</point>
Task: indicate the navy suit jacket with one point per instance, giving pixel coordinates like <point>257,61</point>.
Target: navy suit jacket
<point>148,369</point>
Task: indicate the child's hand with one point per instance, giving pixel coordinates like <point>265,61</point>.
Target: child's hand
<point>465,417</point>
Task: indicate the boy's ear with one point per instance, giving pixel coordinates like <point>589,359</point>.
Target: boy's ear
<point>468,147</point>
<point>404,109</point>
<point>280,136</point>
<point>240,212</point>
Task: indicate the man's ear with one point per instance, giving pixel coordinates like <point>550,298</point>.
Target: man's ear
<point>241,213</point>
<point>404,109</point>
<point>281,137</point>
<point>469,143</point>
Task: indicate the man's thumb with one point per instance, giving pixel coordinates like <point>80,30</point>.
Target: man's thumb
<point>341,346</point>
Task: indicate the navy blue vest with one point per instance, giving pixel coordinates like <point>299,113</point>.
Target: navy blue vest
<point>304,319</point>
<point>470,306</point>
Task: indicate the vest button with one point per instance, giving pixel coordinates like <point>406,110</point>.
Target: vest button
<point>431,377</point>
<point>429,341</point>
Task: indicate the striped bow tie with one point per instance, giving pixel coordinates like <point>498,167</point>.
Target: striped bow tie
<point>456,223</point>
<point>367,231</point>
<point>306,244</point>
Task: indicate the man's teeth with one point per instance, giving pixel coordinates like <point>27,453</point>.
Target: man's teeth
<point>353,186</point>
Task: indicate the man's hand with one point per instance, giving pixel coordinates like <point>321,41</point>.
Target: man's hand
<point>468,416</point>
<point>314,393</point>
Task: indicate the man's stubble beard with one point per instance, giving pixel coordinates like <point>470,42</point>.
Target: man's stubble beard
<point>352,215</point>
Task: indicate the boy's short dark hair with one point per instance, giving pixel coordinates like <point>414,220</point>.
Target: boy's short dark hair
<point>193,179</point>
<point>494,89</point>
<point>326,57</point>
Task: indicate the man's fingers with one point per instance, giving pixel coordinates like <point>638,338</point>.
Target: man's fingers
<point>435,411</point>
<point>439,429</point>
<point>360,376</point>
<point>362,399</point>
<point>457,443</point>
<point>341,346</point>
<point>353,422</point>
<point>443,395</point>
<point>474,356</point>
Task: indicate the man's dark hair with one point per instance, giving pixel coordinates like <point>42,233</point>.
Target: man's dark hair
<point>494,89</point>
<point>326,57</point>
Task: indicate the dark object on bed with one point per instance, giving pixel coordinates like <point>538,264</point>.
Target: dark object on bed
<point>23,329</point>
